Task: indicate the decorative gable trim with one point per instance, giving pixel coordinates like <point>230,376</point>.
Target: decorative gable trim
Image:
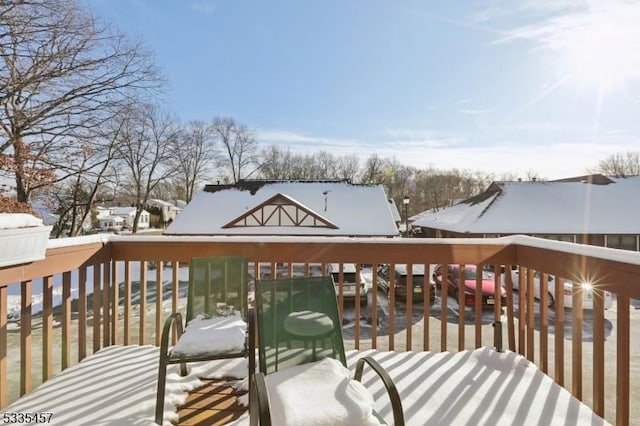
<point>283,211</point>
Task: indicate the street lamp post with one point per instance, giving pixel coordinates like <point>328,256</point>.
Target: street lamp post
<point>405,201</point>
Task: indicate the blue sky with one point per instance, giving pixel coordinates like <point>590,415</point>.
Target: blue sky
<point>551,86</point>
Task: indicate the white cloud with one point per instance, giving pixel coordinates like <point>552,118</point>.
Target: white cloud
<point>477,111</point>
<point>552,157</point>
<point>300,140</point>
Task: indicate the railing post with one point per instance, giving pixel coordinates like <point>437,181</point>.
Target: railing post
<point>47,328</point>
<point>598,352</point>
<point>522,311</point>
<point>530,317</point>
<point>66,320</point>
<point>127,303</point>
<point>159,299</point>
<point>477,306</point>
<point>115,298</point>
<point>511,332</point>
<point>497,335</point>
<point>409,308</point>
<point>82,314</point>
<point>559,332</point>
<point>623,355</point>
<point>96,306</point>
<point>106,304</point>
<point>426,302</point>
<point>444,293</point>
<point>576,341</point>
<point>3,345</point>
<point>392,306</point>
<point>25,337</point>
<point>374,307</point>
<point>143,302</point>
<point>175,288</point>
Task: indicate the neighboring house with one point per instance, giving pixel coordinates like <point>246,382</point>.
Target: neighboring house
<point>129,215</point>
<point>111,223</point>
<point>256,207</point>
<point>168,210</point>
<point>118,218</point>
<point>593,209</point>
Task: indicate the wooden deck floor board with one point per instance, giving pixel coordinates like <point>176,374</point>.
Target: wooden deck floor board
<point>215,403</point>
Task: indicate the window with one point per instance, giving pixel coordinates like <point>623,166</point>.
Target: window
<point>624,242</point>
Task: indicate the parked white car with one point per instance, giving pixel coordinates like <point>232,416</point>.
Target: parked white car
<point>587,291</point>
<point>349,282</point>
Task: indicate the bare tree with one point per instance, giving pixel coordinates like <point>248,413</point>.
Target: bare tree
<point>276,163</point>
<point>146,149</point>
<point>374,169</point>
<point>239,145</point>
<point>86,172</point>
<point>347,167</point>
<point>61,72</point>
<point>194,156</point>
<point>619,165</point>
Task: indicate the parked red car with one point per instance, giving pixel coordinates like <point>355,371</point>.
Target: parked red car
<point>470,274</point>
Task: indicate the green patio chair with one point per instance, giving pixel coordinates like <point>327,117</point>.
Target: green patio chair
<point>298,323</point>
<point>219,323</point>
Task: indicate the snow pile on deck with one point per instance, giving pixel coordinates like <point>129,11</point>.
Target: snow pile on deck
<point>319,393</point>
<point>117,386</point>
<point>480,387</point>
<point>212,336</point>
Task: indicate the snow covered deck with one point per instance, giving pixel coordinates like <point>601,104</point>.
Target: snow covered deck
<point>116,386</point>
<point>102,284</point>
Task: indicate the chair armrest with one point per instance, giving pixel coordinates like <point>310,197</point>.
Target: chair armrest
<point>394,396</point>
<point>174,318</point>
<point>259,413</point>
<point>251,325</point>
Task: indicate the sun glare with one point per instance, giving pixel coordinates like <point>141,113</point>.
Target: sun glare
<point>600,49</point>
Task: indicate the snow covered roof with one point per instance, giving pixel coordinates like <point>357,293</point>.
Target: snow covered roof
<point>559,207</point>
<point>394,210</point>
<point>334,208</point>
<point>158,202</point>
<point>123,210</point>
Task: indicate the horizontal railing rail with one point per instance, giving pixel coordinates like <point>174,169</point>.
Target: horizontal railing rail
<point>118,290</point>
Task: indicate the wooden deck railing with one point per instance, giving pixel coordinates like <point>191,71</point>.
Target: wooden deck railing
<point>106,314</point>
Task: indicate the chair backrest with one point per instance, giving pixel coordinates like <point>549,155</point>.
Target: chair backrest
<point>308,298</point>
<point>217,280</point>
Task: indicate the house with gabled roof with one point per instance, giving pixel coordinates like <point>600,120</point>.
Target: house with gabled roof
<point>167,210</point>
<point>594,209</point>
<point>117,218</point>
<point>269,207</point>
